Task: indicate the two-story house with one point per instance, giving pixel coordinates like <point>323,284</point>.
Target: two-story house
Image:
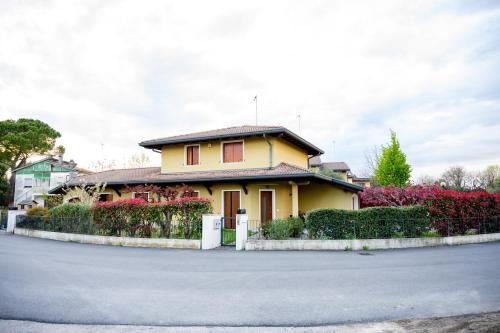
<point>264,169</point>
<point>35,179</point>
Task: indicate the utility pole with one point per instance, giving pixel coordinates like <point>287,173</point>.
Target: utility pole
<point>255,99</point>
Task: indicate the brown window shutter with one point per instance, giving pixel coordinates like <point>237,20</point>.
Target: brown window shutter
<point>238,152</point>
<point>189,155</point>
<point>228,153</point>
<point>196,156</point>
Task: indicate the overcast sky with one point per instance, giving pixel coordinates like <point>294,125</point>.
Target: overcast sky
<point>108,74</point>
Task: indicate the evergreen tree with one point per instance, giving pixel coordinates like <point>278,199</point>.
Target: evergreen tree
<point>392,168</point>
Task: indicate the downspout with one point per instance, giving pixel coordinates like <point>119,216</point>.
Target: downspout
<point>270,151</point>
<point>309,160</point>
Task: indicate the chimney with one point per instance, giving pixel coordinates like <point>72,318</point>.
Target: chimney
<point>61,158</point>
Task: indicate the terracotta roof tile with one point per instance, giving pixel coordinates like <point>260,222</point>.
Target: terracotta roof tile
<point>154,175</point>
<point>234,132</point>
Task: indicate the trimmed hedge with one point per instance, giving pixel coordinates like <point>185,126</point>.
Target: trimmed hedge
<point>375,222</point>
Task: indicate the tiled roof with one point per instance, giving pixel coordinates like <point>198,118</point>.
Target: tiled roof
<point>153,175</point>
<point>52,161</point>
<point>336,166</point>
<point>234,132</point>
<point>315,161</point>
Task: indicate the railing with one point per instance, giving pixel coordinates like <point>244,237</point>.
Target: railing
<point>389,228</point>
<point>255,229</point>
<point>132,228</point>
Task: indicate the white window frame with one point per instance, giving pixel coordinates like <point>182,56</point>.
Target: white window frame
<point>222,199</point>
<point>355,201</point>
<point>133,195</point>
<point>222,151</point>
<point>273,201</point>
<point>199,194</point>
<point>185,155</point>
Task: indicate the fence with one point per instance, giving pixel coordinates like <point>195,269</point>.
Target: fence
<point>389,228</point>
<point>3,219</point>
<point>134,228</point>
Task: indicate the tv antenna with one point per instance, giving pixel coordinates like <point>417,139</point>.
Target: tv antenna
<point>300,130</point>
<point>255,99</point>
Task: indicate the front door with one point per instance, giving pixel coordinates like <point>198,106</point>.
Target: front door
<point>231,205</point>
<point>266,206</point>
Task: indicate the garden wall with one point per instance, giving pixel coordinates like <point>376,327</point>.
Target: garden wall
<point>112,240</point>
<point>371,244</point>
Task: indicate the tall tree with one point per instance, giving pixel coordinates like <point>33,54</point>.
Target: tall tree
<point>138,161</point>
<point>392,168</point>
<point>21,138</point>
<point>454,177</point>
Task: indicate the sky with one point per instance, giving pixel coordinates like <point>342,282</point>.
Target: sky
<point>109,74</point>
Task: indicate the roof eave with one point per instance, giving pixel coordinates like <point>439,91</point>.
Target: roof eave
<point>310,175</point>
<point>158,144</point>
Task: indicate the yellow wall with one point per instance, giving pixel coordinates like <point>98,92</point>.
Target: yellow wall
<point>283,151</point>
<point>314,196</point>
<point>250,201</point>
<point>311,196</point>
<point>255,155</point>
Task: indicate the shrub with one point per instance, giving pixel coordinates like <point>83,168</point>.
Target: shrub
<point>135,217</point>
<point>70,210</point>
<point>37,211</point>
<point>452,212</point>
<point>375,222</point>
<point>72,218</point>
<point>430,234</point>
<point>291,227</point>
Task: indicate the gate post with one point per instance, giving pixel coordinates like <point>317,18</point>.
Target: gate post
<point>211,231</point>
<point>241,231</point>
<point>11,219</point>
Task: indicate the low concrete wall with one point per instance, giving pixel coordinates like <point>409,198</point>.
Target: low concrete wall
<point>373,244</point>
<point>112,240</point>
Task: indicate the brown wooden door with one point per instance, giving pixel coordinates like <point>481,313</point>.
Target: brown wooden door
<point>266,206</point>
<point>231,205</point>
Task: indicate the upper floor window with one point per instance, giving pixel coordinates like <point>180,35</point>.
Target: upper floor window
<point>28,182</point>
<point>232,152</point>
<point>193,155</point>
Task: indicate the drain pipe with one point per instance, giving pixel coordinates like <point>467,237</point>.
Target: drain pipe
<point>270,151</point>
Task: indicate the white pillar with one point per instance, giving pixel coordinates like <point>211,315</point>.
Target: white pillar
<point>11,219</point>
<point>211,231</point>
<point>241,231</point>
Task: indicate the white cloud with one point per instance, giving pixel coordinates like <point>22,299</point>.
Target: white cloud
<point>121,72</point>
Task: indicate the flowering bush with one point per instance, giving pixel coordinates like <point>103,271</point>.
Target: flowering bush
<point>452,212</point>
<point>135,217</point>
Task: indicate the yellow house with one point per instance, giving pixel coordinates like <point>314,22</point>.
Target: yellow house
<point>264,169</point>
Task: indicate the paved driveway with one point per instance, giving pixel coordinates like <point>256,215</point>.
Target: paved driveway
<point>53,281</point>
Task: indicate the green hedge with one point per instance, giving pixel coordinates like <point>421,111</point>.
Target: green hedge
<point>375,222</point>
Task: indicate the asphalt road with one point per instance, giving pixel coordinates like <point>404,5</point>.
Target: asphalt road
<point>52,281</point>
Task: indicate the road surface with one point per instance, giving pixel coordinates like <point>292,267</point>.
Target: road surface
<point>50,281</point>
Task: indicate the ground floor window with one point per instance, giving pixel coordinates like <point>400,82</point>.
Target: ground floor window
<point>105,197</point>
<point>141,195</point>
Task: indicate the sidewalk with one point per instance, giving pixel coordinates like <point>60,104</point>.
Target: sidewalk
<point>487,322</point>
